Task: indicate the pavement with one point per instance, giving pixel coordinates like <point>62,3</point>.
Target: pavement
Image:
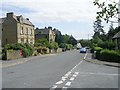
<point>9,63</point>
<point>87,58</point>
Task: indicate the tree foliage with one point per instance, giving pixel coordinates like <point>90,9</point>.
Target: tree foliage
<point>106,11</point>
<point>98,29</point>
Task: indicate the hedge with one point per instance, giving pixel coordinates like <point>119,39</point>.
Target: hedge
<point>109,55</point>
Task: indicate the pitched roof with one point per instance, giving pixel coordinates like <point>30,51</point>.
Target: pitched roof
<point>42,31</point>
<point>17,18</point>
<point>117,35</point>
<point>2,20</point>
<point>25,21</point>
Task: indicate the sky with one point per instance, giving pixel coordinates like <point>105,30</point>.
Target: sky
<point>72,17</point>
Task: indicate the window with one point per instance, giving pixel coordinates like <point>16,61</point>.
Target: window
<point>31,41</point>
<point>27,41</point>
<point>30,31</point>
<point>21,32</point>
<point>27,31</point>
<point>6,41</point>
<point>22,40</point>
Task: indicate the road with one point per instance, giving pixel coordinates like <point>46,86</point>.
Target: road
<point>63,70</point>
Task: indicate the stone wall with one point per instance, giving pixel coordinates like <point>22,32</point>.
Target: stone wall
<point>13,54</point>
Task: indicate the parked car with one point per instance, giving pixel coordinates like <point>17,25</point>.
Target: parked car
<point>83,50</point>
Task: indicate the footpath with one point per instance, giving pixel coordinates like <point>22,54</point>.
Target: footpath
<point>96,61</point>
<point>21,60</point>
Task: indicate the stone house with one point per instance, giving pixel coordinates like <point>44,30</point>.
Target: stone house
<point>16,29</point>
<point>45,33</point>
<point>116,38</point>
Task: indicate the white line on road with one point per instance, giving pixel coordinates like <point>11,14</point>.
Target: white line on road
<point>72,78</point>
<point>74,75</point>
<point>67,74</point>
<point>76,66</point>
<point>85,56</point>
<point>68,84</point>
<point>99,73</point>
<point>64,88</point>
<point>59,82</point>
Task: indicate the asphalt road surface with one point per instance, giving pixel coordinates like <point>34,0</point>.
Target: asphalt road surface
<point>63,70</point>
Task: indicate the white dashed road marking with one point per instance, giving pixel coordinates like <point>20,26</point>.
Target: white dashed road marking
<point>54,86</point>
<point>59,82</point>
<point>68,84</point>
<point>64,88</point>
<point>65,77</point>
<point>74,75</point>
<point>99,73</point>
<point>72,79</point>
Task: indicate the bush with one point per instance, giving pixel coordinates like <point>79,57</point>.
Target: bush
<point>109,55</point>
<point>107,45</point>
<point>27,50</point>
<point>97,49</point>
<point>42,50</point>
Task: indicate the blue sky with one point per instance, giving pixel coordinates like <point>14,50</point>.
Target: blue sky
<point>73,17</point>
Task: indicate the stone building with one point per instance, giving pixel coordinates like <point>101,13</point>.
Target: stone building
<point>47,33</point>
<point>16,29</point>
<point>116,39</point>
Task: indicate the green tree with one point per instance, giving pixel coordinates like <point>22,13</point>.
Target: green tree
<point>106,11</point>
<point>98,28</point>
<point>65,38</point>
<point>72,40</point>
<point>42,42</point>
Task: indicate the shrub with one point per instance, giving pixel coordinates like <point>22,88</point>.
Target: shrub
<point>42,50</point>
<point>107,45</point>
<point>27,50</point>
<point>110,55</point>
<point>97,49</point>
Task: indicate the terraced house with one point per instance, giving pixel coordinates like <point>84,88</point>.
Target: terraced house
<point>16,29</point>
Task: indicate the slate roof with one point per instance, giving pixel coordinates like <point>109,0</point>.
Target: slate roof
<point>17,18</point>
<point>2,20</point>
<point>25,21</point>
<point>42,31</point>
<point>117,35</point>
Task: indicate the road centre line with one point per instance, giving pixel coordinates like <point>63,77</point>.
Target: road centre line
<point>99,73</point>
<point>72,78</point>
<point>55,86</point>
<point>85,56</point>
<point>64,88</point>
<point>74,75</point>
<point>76,66</point>
<point>68,84</point>
<point>59,82</point>
<point>66,76</point>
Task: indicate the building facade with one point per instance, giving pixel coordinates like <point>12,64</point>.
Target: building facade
<point>16,29</point>
<point>116,39</point>
<point>47,33</point>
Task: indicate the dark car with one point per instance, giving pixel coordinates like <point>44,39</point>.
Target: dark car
<point>83,50</point>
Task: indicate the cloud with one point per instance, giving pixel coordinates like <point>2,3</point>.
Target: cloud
<point>52,10</point>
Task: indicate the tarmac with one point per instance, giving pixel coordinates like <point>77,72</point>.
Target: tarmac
<point>99,62</point>
<point>88,58</point>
